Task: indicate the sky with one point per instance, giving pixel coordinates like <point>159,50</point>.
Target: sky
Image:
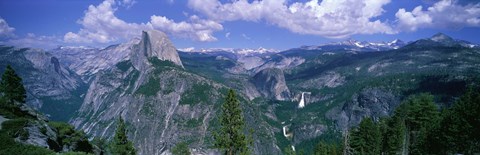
<point>276,24</point>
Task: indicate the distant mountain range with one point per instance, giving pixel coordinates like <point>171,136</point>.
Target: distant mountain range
<point>347,45</point>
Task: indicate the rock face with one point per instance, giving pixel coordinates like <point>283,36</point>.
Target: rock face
<point>329,79</point>
<point>58,81</point>
<point>374,103</point>
<point>162,103</point>
<point>51,87</point>
<point>46,138</point>
<point>271,83</point>
<point>86,62</point>
<point>154,44</point>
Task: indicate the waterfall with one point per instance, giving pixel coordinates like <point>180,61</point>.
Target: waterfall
<point>302,101</point>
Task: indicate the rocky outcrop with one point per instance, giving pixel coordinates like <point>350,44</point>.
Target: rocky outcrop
<point>307,132</point>
<point>154,44</point>
<point>373,102</point>
<point>56,81</point>
<point>281,62</point>
<point>271,83</point>
<point>47,81</point>
<point>329,79</point>
<point>86,62</point>
<point>39,134</point>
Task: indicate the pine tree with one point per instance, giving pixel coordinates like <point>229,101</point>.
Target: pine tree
<point>231,138</point>
<point>459,128</point>
<point>11,86</point>
<point>323,148</point>
<point>181,149</point>
<point>393,130</point>
<point>120,144</point>
<point>366,138</point>
<point>422,115</point>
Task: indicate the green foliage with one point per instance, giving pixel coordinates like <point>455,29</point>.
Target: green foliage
<point>366,138</point>
<point>393,131</point>
<point>289,151</point>
<point>199,93</point>
<point>120,144</point>
<point>420,114</point>
<point>458,131</point>
<point>11,91</point>
<point>150,88</point>
<point>100,146</point>
<point>193,123</point>
<point>75,153</point>
<point>124,65</point>
<point>157,63</point>
<point>323,148</point>
<point>11,86</point>
<point>418,128</point>
<point>15,128</point>
<point>231,138</point>
<point>67,135</point>
<point>181,149</point>
<point>12,111</point>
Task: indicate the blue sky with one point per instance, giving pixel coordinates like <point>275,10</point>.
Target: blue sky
<point>278,24</point>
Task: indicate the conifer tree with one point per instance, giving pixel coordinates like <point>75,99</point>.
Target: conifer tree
<point>459,128</point>
<point>393,130</point>
<point>422,115</point>
<point>231,137</point>
<point>181,149</point>
<point>120,144</point>
<point>366,138</point>
<point>11,87</point>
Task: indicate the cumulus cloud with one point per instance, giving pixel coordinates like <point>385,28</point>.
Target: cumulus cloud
<point>5,30</point>
<point>443,14</point>
<point>328,18</point>
<point>100,25</point>
<point>196,28</point>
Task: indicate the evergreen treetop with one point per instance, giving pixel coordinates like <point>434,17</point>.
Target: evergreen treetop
<point>231,138</point>
<point>11,86</point>
<point>120,144</point>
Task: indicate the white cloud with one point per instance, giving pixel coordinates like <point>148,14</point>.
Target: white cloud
<point>227,35</point>
<point>196,28</point>
<point>32,40</point>
<point>127,3</point>
<point>443,14</point>
<point>5,30</point>
<point>100,25</point>
<point>245,36</point>
<point>328,18</point>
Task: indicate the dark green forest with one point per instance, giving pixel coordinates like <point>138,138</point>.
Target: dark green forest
<point>417,126</point>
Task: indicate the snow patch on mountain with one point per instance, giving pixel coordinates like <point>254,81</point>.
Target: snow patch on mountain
<point>240,51</point>
<point>355,45</point>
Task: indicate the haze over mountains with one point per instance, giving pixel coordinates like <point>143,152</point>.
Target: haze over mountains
<point>168,96</point>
